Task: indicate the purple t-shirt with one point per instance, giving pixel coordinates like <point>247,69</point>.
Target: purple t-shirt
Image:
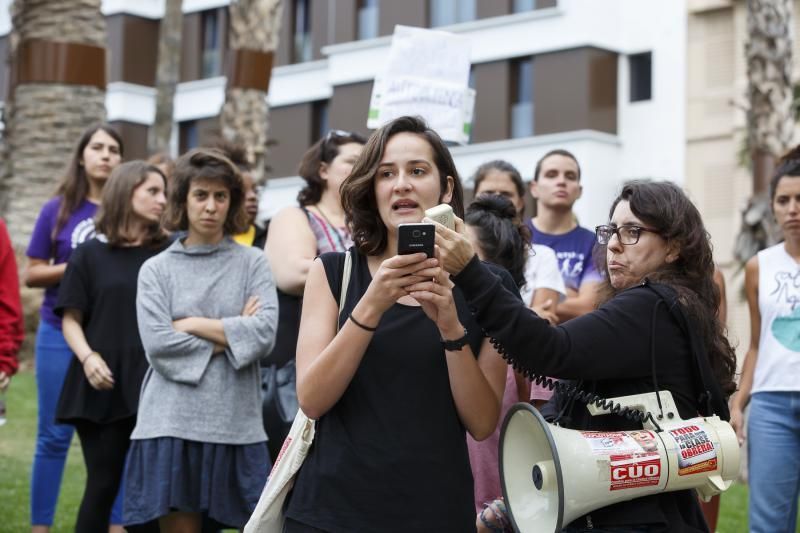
<point>78,228</point>
<point>573,253</point>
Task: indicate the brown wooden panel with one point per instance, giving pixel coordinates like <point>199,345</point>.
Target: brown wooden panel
<point>575,89</point>
<point>192,47</point>
<point>407,12</point>
<point>133,49</point>
<point>349,107</point>
<point>344,16</point>
<point>603,90</point>
<point>290,127</point>
<point>492,101</point>
<point>134,137</point>
<point>249,69</point>
<point>492,8</point>
<point>41,61</point>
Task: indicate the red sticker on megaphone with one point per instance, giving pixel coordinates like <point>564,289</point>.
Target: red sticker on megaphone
<point>633,471</point>
<point>696,452</point>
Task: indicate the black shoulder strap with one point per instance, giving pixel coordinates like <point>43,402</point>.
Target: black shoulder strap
<point>711,400</point>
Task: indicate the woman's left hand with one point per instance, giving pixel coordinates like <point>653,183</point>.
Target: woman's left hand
<point>436,299</point>
<point>455,248</point>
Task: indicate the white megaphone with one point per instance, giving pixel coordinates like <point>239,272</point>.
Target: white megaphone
<point>551,475</point>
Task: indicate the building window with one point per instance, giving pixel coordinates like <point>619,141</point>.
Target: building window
<point>212,44</point>
<point>188,138</point>
<point>521,6</point>
<point>303,50</point>
<point>640,67</point>
<point>367,19</point>
<point>444,12</point>
<point>522,97</point>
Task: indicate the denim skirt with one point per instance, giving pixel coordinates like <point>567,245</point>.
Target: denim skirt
<point>221,481</point>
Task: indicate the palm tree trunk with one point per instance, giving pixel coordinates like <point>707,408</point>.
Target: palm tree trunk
<point>167,74</point>
<point>254,26</point>
<point>770,120</point>
<point>48,109</point>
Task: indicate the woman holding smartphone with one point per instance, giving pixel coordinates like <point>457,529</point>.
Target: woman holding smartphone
<point>399,384</point>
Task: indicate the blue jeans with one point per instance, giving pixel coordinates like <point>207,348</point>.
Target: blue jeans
<point>773,446</point>
<point>52,358</point>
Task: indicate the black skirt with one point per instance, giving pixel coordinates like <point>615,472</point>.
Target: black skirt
<point>221,481</point>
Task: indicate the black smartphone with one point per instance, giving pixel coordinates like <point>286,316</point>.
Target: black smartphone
<point>415,238</point>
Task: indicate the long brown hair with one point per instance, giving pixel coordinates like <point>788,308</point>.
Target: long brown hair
<point>206,164</point>
<point>665,207</point>
<point>74,184</point>
<point>358,190</point>
<point>116,211</point>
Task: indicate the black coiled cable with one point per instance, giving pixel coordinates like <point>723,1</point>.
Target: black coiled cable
<point>571,391</point>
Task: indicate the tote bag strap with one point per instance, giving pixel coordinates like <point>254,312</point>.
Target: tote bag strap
<point>348,267</point>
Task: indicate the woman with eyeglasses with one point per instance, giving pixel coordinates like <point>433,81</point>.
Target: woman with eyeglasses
<point>297,235</point>
<point>660,302</point>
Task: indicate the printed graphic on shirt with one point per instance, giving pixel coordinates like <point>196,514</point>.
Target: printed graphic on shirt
<point>696,452</point>
<point>634,471</point>
<point>786,329</point>
<point>83,231</point>
<point>570,264</point>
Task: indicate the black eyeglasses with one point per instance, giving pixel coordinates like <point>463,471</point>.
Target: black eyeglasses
<point>627,233</point>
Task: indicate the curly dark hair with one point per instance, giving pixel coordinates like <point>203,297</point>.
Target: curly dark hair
<point>236,152</point>
<point>358,190</point>
<point>663,206</point>
<point>206,164</point>
<point>503,238</point>
<point>322,152</point>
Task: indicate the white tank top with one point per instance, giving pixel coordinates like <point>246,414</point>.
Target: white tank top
<point>778,363</point>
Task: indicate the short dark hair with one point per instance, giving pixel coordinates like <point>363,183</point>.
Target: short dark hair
<point>206,164</point>
<point>115,212</point>
<point>324,150</point>
<point>236,152</point>
<point>788,166</point>
<point>557,151</point>
<point>502,166</point>
<point>358,190</point>
<point>664,207</point>
<point>503,238</point>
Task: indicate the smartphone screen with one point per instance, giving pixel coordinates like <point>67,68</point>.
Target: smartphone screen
<point>415,238</point>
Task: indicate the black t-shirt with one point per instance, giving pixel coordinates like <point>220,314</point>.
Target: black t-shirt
<point>100,281</point>
<point>391,454</point>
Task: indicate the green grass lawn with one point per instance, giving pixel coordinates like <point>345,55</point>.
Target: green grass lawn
<point>17,439</point>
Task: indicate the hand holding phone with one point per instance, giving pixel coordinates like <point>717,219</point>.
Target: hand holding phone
<point>415,238</point>
<point>443,214</point>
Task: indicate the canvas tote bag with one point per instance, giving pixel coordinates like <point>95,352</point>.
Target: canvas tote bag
<point>268,514</point>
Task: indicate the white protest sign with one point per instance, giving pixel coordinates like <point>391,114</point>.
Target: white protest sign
<point>427,74</point>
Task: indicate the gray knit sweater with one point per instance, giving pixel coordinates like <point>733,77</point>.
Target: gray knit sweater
<point>188,392</point>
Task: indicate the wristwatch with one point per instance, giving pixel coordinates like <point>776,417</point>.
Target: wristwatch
<point>456,345</point>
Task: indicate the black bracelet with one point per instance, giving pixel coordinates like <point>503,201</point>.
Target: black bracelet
<point>359,324</point>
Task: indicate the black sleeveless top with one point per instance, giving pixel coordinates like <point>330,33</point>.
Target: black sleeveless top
<point>391,455</point>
